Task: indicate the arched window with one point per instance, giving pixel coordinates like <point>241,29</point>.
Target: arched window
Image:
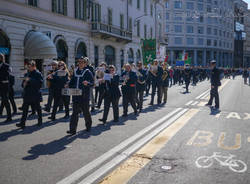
<point>130,56</point>
<point>138,55</point>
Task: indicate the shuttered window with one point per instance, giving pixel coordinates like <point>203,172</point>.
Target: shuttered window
<point>59,6</point>
<point>81,9</point>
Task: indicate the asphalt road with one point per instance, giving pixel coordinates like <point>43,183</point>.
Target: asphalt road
<point>47,155</point>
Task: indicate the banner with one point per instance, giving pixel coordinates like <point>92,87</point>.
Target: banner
<point>148,50</point>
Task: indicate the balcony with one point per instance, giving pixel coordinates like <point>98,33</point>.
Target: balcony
<point>105,31</point>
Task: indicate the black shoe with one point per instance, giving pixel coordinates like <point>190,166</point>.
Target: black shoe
<point>140,110</point>
<point>46,110</point>
<point>116,120</point>
<point>20,108</point>
<point>102,120</point>
<point>124,115</point>
<point>71,132</point>
<point>66,117</point>
<point>32,114</point>
<point>164,102</point>
<point>20,125</point>
<point>52,118</point>
<point>88,129</point>
<point>92,109</point>
<point>14,113</point>
<point>208,104</point>
<point>7,120</point>
<point>39,124</point>
<point>136,113</point>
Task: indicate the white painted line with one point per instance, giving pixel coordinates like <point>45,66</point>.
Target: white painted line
<point>189,102</point>
<point>205,96</point>
<point>198,97</point>
<point>87,168</point>
<point>125,154</point>
<point>195,103</point>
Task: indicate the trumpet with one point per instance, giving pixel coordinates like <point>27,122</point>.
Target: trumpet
<point>126,78</point>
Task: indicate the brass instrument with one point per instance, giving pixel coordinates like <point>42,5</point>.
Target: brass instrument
<point>126,78</point>
<point>164,75</point>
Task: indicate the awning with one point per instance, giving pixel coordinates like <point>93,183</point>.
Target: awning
<point>39,46</point>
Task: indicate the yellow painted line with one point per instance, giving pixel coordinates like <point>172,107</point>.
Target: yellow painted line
<point>220,88</point>
<point>136,162</point>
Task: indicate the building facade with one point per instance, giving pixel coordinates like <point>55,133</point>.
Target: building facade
<point>109,31</point>
<point>246,61</point>
<point>204,29</point>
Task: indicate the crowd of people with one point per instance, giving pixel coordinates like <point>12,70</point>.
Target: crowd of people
<point>90,87</point>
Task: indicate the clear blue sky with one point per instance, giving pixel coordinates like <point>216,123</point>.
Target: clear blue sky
<point>248,1</point>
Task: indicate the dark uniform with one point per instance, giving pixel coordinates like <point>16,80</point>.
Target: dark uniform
<point>4,88</point>
<point>50,96</point>
<point>165,85</point>
<point>112,95</point>
<point>58,83</point>
<point>215,82</point>
<point>129,92</point>
<point>32,96</point>
<point>156,84</point>
<point>81,103</point>
<point>187,76</point>
<point>140,87</point>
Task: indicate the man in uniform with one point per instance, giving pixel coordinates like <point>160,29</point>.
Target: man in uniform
<point>129,89</point>
<point>140,85</point>
<point>187,76</point>
<point>82,80</point>
<point>215,83</point>
<point>32,94</point>
<point>4,86</point>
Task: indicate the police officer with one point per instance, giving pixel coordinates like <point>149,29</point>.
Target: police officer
<point>32,94</point>
<point>58,81</point>
<point>129,89</point>
<point>112,95</point>
<point>140,85</point>
<point>215,83</point>
<point>4,86</point>
<point>82,80</point>
<point>156,75</point>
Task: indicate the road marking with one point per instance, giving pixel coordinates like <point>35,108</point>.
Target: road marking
<point>130,167</point>
<point>234,147</point>
<point>87,168</point>
<point>248,139</point>
<point>247,116</point>
<point>206,136</point>
<point>198,97</point>
<point>195,103</point>
<point>233,115</point>
<point>201,104</point>
<point>189,102</point>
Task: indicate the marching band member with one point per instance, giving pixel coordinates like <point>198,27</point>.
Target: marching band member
<point>112,95</point>
<point>165,83</point>
<point>156,76</point>
<point>4,86</point>
<point>81,80</point>
<point>187,76</point>
<point>101,82</point>
<point>32,94</point>
<point>129,89</point>
<point>140,85</point>
<point>58,81</point>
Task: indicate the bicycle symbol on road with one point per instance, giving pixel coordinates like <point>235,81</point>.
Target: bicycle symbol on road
<point>229,161</point>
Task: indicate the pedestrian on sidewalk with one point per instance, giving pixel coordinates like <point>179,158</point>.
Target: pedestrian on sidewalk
<point>245,75</point>
<point>32,94</point>
<point>215,83</point>
<point>5,86</point>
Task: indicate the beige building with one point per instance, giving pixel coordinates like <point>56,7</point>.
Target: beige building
<point>103,30</point>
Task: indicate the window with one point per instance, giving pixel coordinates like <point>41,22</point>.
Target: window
<point>190,41</point>
<point>32,3</point>
<point>81,9</point>
<point>167,16</point>
<point>95,12</point>
<point>215,31</point>
<point>178,28</point>
<point>151,32</point>
<point>59,6</point>
<point>110,16</point>
<point>215,43</point>
<point>178,40</point>
<point>200,7</point>
<point>130,24</point>
<point>200,41</point>
<point>167,28</point>
<point>178,4</point>
<point>121,21</point>
<point>151,10</point>
<point>145,6</point>
<point>167,5</point>
<point>200,30</point>
<point>201,19</point>
<point>190,29</point>
<point>209,31</point>
<point>209,9</point>
<point>145,31</point>
<point>138,4</point>
<point>208,42</point>
<point>178,17</point>
<point>138,28</point>
<point>190,5</point>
